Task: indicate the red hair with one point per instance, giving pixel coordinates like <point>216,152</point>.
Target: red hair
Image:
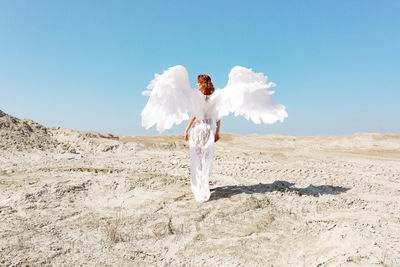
<point>206,86</point>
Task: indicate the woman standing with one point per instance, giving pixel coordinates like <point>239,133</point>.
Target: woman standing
<point>202,138</point>
<point>172,99</point>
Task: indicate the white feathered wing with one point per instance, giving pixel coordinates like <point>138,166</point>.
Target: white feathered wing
<point>171,98</point>
<point>247,94</point>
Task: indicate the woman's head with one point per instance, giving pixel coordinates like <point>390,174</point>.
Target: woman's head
<point>204,84</point>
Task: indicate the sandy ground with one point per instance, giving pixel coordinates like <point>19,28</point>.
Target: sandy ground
<point>276,201</point>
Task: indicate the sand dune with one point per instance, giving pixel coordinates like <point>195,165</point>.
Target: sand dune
<point>70,198</point>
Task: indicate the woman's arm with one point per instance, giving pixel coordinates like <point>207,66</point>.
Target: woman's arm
<point>217,131</point>
<point>191,120</point>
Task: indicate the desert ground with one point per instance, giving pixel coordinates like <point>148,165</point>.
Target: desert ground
<point>70,198</point>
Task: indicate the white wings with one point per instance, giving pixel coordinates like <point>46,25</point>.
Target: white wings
<point>247,94</point>
<point>171,98</point>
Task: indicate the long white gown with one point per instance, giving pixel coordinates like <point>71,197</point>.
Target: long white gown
<point>201,144</point>
<point>171,99</point>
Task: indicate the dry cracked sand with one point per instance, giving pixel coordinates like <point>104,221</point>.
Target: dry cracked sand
<point>70,198</point>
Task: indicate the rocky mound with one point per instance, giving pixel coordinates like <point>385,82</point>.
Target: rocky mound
<point>23,134</point>
<point>27,135</point>
<point>80,142</point>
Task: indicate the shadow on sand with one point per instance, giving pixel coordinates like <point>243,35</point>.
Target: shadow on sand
<point>282,186</point>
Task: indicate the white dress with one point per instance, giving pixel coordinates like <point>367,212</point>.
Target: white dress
<point>172,99</point>
<point>201,144</point>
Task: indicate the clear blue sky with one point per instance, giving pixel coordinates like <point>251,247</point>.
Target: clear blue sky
<point>83,64</point>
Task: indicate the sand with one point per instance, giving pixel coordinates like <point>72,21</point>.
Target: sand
<point>70,198</point>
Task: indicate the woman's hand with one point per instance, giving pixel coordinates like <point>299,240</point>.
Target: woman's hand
<point>217,131</point>
<point>191,120</point>
<point>216,137</point>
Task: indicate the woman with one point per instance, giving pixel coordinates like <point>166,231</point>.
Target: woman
<point>202,138</point>
<point>171,99</point>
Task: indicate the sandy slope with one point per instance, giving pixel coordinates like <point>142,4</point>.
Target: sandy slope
<point>276,200</point>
